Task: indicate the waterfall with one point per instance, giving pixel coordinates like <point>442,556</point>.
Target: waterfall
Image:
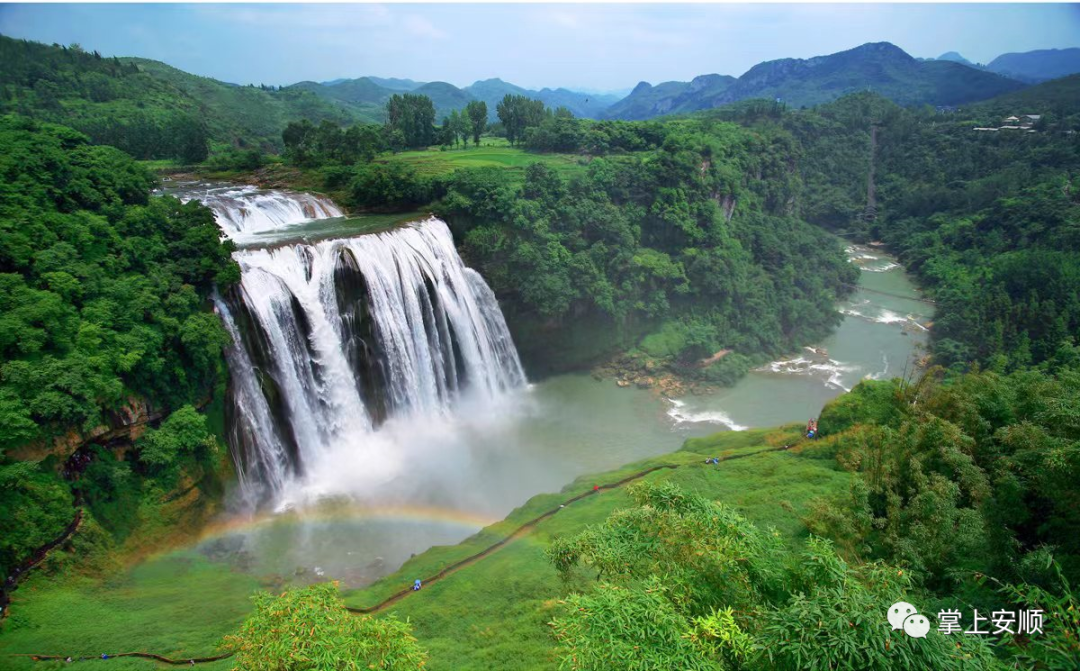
<point>243,211</point>
<point>333,339</point>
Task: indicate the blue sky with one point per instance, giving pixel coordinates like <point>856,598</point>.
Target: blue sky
<point>579,46</point>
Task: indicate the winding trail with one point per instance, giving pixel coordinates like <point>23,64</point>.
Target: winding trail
<point>36,558</point>
<point>446,572</point>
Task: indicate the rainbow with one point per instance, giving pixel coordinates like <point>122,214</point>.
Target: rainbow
<point>342,512</point>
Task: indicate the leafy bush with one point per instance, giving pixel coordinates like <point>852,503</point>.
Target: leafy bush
<point>689,583</point>
<point>183,434</point>
<point>308,629</point>
<point>34,509</point>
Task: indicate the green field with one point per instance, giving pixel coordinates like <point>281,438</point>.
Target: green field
<point>491,614</point>
<point>492,152</point>
<point>177,606</point>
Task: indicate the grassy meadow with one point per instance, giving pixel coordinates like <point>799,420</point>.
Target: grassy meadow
<point>490,614</point>
<point>492,152</point>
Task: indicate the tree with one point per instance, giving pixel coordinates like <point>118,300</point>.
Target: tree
<point>457,128</point>
<point>413,115</point>
<point>477,113</point>
<point>517,112</point>
<point>183,433</point>
<point>308,629</point>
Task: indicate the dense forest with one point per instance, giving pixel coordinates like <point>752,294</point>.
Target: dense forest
<point>671,239</point>
<point>147,109</point>
<point>986,220</point>
<point>103,304</point>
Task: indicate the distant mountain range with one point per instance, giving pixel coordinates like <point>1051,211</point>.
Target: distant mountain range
<point>373,92</point>
<point>1030,67</point>
<point>1037,66</point>
<point>880,67</point>
<point>147,94</point>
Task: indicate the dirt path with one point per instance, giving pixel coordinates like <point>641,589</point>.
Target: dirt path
<point>35,560</point>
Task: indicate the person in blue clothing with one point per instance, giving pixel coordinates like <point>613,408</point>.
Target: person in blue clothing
<point>416,585</point>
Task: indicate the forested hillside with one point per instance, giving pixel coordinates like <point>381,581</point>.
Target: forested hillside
<point>684,232</point>
<point>103,305</point>
<point>1037,66</point>
<point>148,109</point>
<point>989,221</point>
<point>104,288</point>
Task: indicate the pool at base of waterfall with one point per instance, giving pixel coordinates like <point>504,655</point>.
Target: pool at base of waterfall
<point>378,407</point>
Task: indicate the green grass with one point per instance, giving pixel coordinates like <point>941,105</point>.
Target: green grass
<point>178,606</point>
<point>491,152</point>
<point>493,614</point>
<point>488,615</point>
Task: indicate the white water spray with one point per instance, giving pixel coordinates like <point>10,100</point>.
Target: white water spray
<point>335,338</point>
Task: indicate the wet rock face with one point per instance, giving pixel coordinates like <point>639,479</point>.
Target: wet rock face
<point>127,424</point>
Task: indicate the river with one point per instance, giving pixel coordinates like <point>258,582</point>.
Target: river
<point>419,479</point>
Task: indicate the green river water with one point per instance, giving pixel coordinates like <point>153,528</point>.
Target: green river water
<point>471,469</point>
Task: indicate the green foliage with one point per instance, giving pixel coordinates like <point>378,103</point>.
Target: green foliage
<point>626,628</point>
<point>477,113</point>
<point>410,119</point>
<point>689,583</point>
<point>968,476</point>
<point>34,509</point>
<point>309,629</point>
<point>988,221</point>
<point>182,434</point>
<point>395,186</point>
<point>235,160</point>
<point>518,113</point>
<point>833,620</point>
<point>103,290</point>
<point>1058,645</point>
<point>679,234</point>
<point>149,109</point>
<point>309,145</point>
<point>870,401</point>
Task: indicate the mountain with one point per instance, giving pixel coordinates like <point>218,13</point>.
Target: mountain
<point>368,95</point>
<point>1057,98</point>
<point>955,58</point>
<point>356,91</point>
<point>240,114</point>
<point>491,91</point>
<point>647,101</point>
<point>880,67</point>
<point>1037,66</point>
<point>395,84</point>
<point>446,97</point>
<point>147,108</point>
<point>584,105</point>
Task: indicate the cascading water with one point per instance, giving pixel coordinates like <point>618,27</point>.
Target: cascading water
<point>244,211</point>
<point>333,339</point>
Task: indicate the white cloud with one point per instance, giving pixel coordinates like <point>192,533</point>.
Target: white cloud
<point>420,27</point>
